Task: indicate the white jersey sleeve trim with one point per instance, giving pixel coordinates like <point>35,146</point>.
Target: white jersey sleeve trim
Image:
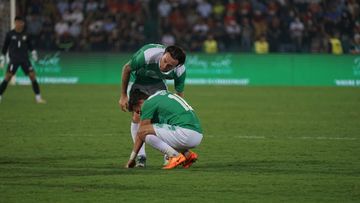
<point>152,55</point>
<point>180,70</point>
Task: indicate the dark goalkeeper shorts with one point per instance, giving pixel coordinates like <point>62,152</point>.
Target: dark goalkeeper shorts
<point>25,66</point>
<point>147,89</point>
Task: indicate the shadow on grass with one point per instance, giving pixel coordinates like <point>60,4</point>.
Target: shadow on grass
<point>287,167</point>
<point>51,159</point>
<point>62,167</point>
<point>82,187</point>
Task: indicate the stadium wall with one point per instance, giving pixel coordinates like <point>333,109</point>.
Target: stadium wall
<point>221,69</point>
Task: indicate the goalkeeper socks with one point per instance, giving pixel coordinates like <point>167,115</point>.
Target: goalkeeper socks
<point>3,86</point>
<point>38,97</point>
<point>35,86</point>
<point>160,145</point>
<point>134,129</point>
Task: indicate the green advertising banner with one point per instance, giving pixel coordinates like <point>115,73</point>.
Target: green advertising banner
<point>220,69</point>
<point>280,69</point>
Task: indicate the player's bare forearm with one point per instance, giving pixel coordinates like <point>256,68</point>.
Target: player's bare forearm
<point>125,77</point>
<point>136,148</point>
<point>138,144</point>
<point>123,102</point>
<point>145,129</point>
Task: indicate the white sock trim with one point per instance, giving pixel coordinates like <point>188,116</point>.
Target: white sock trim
<point>134,127</point>
<point>132,155</point>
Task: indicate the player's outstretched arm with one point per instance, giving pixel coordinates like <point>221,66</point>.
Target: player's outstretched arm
<point>137,145</point>
<point>4,49</point>
<point>6,44</point>
<point>144,129</point>
<point>123,102</point>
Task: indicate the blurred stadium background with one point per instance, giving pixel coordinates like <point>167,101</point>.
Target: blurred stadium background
<point>300,26</point>
<point>263,76</point>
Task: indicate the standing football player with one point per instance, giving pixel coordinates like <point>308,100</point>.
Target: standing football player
<point>18,45</point>
<point>148,70</point>
<point>169,124</point>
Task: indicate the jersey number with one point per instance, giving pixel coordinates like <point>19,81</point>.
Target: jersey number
<point>181,101</point>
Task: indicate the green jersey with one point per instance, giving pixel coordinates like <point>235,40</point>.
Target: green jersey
<point>166,108</point>
<point>145,68</point>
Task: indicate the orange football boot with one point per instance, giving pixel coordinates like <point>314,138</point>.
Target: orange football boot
<point>175,161</point>
<point>192,157</point>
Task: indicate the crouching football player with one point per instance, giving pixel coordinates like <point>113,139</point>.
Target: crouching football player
<point>168,124</point>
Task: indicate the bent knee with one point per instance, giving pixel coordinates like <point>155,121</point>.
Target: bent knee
<point>146,130</point>
<point>194,140</point>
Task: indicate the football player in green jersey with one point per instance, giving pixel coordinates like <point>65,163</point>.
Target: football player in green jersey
<point>168,123</point>
<point>148,70</point>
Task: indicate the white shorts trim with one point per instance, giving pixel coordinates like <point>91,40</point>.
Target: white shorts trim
<point>129,88</point>
<point>178,137</point>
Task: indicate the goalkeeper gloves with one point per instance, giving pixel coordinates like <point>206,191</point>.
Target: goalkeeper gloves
<point>2,61</point>
<point>34,55</point>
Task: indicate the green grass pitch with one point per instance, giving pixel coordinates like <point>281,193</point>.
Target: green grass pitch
<point>261,144</point>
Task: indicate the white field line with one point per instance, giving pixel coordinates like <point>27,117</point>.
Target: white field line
<point>290,138</point>
<point>328,138</point>
<point>87,135</point>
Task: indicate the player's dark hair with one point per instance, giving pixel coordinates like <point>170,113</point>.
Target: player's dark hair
<point>135,96</point>
<point>177,53</point>
<point>19,18</point>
